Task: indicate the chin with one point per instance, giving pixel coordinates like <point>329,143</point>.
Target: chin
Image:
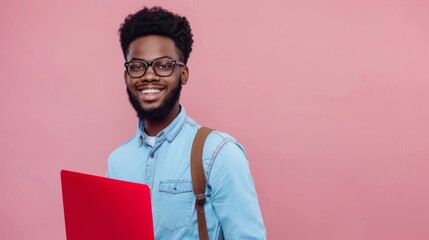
<point>158,109</point>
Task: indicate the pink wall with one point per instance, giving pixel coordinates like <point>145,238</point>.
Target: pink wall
<point>330,98</point>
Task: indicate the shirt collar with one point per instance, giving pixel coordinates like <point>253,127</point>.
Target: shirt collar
<point>169,133</point>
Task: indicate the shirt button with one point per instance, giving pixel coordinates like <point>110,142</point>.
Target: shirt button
<point>152,155</point>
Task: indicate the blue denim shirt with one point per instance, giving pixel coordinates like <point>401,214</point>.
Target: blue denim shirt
<point>232,209</point>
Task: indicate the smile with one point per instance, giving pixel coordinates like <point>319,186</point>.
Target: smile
<point>150,94</point>
<point>149,91</point>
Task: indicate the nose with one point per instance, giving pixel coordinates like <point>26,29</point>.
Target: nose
<point>150,75</point>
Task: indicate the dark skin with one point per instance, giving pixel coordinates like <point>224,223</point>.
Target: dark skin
<point>151,90</point>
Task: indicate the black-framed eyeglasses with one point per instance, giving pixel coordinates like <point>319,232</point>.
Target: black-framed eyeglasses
<point>136,68</point>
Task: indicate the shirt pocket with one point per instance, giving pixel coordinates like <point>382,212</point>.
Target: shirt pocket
<point>176,203</point>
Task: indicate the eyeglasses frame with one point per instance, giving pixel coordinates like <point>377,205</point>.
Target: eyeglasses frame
<point>149,64</point>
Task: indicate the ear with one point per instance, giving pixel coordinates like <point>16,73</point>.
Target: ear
<point>125,77</point>
<point>184,75</point>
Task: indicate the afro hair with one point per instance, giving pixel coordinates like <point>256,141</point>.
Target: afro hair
<point>157,21</point>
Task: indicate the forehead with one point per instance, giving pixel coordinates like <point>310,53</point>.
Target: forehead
<point>151,47</point>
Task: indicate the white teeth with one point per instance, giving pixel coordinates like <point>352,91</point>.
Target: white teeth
<point>150,91</point>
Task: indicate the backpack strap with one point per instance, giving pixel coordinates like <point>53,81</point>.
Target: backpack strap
<point>199,179</point>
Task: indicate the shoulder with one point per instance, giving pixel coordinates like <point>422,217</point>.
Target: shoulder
<point>216,141</point>
<point>222,149</point>
<point>124,149</point>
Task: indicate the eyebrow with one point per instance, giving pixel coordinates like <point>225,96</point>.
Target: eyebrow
<point>166,56</point>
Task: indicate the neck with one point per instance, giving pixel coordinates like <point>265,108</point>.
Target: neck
<point>153,127</point>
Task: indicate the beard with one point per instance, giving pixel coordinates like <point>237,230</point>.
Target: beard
<point>161,111</point>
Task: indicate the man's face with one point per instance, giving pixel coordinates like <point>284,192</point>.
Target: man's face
<point>152,96</point>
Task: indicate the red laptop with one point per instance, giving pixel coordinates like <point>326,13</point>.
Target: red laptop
<point>103,208</point>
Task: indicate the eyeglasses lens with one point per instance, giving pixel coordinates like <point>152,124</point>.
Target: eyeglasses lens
<point>162,67</point>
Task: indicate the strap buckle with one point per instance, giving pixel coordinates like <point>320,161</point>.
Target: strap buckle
<point>201,198</point>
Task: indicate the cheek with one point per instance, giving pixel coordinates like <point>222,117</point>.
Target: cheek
<point>129,83</point>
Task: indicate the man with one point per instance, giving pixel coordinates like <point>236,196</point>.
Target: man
<point>156,45</point>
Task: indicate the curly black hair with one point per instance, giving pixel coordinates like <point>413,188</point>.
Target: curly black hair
<point>157,21</point>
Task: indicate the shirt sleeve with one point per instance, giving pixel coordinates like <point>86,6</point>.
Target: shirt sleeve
<point>233,195</point>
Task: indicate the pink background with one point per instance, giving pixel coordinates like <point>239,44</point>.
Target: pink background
<point>330,99</point>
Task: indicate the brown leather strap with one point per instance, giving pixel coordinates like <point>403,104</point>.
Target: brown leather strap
<point>199,179</point>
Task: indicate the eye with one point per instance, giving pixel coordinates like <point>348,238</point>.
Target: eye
<point>136,66</point>
<point>164,65</point>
